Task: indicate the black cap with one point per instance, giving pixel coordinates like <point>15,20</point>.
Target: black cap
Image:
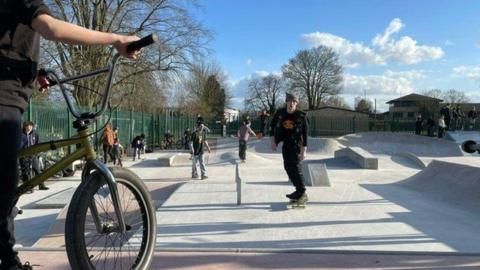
<point>291,97</point>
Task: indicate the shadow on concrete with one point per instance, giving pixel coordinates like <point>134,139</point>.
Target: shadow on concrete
<point>436,219</point>
<point>405,162</point>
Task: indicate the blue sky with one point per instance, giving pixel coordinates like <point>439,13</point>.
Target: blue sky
<point>389,48</point>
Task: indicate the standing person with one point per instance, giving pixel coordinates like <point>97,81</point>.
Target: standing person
<point>472,116</point>
<point>107,140</point>
<point>430,126</point>
<point>453,125</point>
<point>137,144</point>
<point>197,144</point>
<point>116,149</point>
<point>461,118</point>
<point>263,123</point>
<point>187,134</point>
<point>28,164</point>
<point>418,125</point>
<point>168,137</point>
<point>200,120</point>
<point>243,134</point>
<point>445,111</point>
<point>290,126</point>
<point>21,24</point>
<point>441,126</point>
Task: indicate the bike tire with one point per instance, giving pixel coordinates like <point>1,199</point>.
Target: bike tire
<point>180,144</point>
<point>142,233</point>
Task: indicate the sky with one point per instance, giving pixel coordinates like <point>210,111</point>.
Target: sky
<point>389,48</point>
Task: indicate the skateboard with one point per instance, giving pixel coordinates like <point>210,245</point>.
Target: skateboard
<point>296,205</point>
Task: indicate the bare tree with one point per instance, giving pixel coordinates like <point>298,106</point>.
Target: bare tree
<point>200,85</point>
<point>263,93</point>
<point>454,96</point>
<point>336,101</point>
<point>363,105</point>
<point>315,73</point>
<point>181,39</point>
<point>434,93</point>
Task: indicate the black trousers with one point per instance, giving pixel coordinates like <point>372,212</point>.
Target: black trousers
<point>291,163</point>
<point>107,151</point>
<point>242,149</point>
<point>10,134</point>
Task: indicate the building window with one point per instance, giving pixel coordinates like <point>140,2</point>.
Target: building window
<point>411,115</point>
<point>398,115</point>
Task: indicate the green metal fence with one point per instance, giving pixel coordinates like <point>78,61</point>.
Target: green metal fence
<point>54,122</point>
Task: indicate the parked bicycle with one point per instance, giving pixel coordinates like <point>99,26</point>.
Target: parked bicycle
<point>111,221</point>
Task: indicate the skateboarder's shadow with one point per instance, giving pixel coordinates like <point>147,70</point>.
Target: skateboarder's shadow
<point>278,207</point>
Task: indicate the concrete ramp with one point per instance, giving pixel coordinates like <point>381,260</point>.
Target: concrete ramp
<point>461,136</point>
<point>451,183</point>
<point>318,146</point>
<point>389,143</point>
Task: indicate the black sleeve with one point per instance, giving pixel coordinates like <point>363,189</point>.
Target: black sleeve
<point>305,131</point>
<point>273,123</point>
<point>31,9</point>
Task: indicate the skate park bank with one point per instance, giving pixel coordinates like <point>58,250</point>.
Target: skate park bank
<point>420,200</point>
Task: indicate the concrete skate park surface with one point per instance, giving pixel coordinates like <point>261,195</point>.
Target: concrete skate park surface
<point>398,210</point>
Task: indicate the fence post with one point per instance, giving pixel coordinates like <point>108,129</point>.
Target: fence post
<point>354,124</point>
<point>143,122</point>
<point>30,110</point>
<point>116,117</point>
<point>131,127</point>
<point>69,131</point>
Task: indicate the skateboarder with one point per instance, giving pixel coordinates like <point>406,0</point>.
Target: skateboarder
<point>290,126</point>
<point>196,150</point>
<point>243,135</point>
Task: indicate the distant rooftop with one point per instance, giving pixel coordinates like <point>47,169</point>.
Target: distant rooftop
<point>414,97</point>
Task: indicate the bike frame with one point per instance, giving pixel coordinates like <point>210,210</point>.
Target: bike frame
<point>84,150</point>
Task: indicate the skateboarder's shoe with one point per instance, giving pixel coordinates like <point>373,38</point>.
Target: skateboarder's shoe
<point>204,177</point>
<point>293,195</point>
<point>299,197</point>
<point>194,176</point>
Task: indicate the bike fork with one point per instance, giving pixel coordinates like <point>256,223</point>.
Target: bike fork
<point>112,186</point>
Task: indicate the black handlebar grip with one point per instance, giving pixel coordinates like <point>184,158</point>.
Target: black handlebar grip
<point>137,45</point>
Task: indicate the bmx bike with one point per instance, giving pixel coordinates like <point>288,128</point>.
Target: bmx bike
<point>111,221</point>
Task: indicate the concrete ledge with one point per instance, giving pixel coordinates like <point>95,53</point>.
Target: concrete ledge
<point>413,158</point>
<point>361,157</point>
<point>316,174</point>
<point>167,160</point>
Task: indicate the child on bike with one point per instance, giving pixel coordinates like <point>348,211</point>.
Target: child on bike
<point>21,24</point>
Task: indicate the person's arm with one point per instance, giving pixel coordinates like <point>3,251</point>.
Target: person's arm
<point>57,30</point>
<point>273,123</point>
<point>303,149</point>
<point>208,146</point>
<point>251,132</point>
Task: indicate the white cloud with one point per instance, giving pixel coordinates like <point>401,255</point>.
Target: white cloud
<point>389,83</point>
<point>239,88</point>
<point>385,48</point>
<point>352,53</point>
<point>471,72</point>
<point>249,62</point>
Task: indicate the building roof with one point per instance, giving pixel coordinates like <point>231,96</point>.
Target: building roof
<point>335,108</point>
<point>414,97</point>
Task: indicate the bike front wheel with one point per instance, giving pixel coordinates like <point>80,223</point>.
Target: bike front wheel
<point>96,243</point>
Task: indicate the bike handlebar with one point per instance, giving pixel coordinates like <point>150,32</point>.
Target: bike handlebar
<point>54,79</point>
<point>144,42</point>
